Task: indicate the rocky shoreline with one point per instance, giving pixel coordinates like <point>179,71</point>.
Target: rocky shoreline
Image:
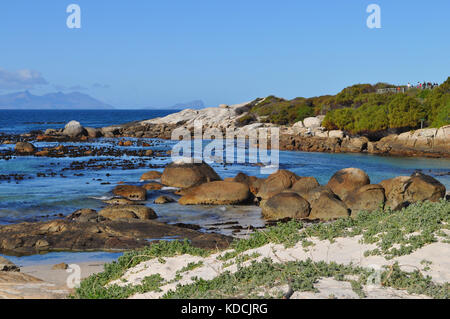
<point>307,135</point>
<point>124,223</point>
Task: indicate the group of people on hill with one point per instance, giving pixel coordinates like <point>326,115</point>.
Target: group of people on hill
<point>424,85</point>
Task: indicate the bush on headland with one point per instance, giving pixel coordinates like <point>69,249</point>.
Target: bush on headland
<point>359,109</point>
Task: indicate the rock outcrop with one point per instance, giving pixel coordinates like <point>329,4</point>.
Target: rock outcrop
<point>164,200</point>
<point>404,190</point>
<point>151,175</point>
<point>128,212</point>
<point>107,235</point>
<point>347,180</point>
<point>217,193</point>
<point>24,147</point>
<point>276,183</point>
<point>304,185</point>
<point>328,207</point>
<point>74,129</point>
<point>366,198</point>
<point>425,142</point>
<point>285,205</point>
<point>186,174</point>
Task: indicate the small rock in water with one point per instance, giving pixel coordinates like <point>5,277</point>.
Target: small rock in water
<point>61,266</point>
<point>163,200</point>
<point>24,147</point>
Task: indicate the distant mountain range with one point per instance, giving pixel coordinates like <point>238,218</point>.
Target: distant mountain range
<point>53,101</point>
<point>197,104</point>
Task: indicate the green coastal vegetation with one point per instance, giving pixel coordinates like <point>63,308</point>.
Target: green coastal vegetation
<point>395,233</point>
<point>359,109</point>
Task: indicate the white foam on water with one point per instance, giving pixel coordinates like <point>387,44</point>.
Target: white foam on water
<point>102,197</point>
<point>169,188</point>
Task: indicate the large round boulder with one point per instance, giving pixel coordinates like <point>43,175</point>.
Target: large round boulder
<point>305,184</point>
<point>395,191</point>
<point>312,195</point>
<point>347,180</point>
<point>128,212</point>
<point>276,183</point>
<point>216,193</point>
<point>182,174</point>
<point>328,207</point>
<point>131,192</point>
<point>285,205</point>
<point>367,198</point>
<point>73,129</point>
<point>312,122</point>
<point>24,147</point>
<point>404,190</point>
<point>424,187</point>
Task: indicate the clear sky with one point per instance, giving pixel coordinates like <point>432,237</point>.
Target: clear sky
<point>140,53</point>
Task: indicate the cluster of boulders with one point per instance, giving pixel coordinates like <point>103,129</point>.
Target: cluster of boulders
<point>287,195</point>
<point>73,130</point>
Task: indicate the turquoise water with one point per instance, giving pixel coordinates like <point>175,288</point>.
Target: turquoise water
<point>31,198</point>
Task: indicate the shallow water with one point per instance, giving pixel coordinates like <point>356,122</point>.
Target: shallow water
<point>63,257</point>
<point>36,196</point>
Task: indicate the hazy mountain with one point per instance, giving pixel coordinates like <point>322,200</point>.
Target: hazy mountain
<point>197,104</point>
<point>54,101</point>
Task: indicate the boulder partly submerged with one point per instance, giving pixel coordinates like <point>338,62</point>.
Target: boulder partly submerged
<point>151,175</point>
<point>184,173</point>
<point>131,192</point>
<point>24,147</point>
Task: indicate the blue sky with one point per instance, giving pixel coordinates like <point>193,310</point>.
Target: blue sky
<point>158,53</point>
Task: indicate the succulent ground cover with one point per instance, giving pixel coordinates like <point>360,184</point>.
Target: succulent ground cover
<point>395,233</point>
